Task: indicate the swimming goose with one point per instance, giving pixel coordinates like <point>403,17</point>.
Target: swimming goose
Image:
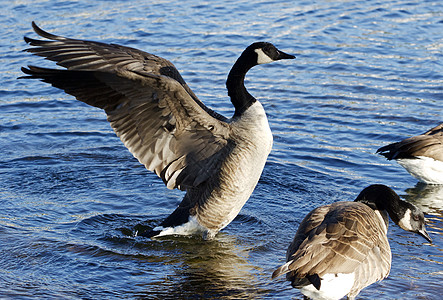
<point>341,248</point>
<point>421,155</point>
<point>217,161</point>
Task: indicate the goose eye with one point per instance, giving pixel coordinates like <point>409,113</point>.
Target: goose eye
<point>267,49</point>
<point>416,218</point>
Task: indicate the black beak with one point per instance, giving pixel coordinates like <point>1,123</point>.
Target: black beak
<point>282,55</point>
<point>424,234</point>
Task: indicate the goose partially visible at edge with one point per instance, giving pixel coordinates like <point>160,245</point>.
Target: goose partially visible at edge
<point>421,155</point>
<point>341,248</point>
<point>216,160</point>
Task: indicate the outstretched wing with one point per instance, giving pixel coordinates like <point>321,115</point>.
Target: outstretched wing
<point>428,144</point>
<point>149,106</point>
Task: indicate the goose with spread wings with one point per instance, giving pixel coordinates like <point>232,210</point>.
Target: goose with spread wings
<point>216,160</point>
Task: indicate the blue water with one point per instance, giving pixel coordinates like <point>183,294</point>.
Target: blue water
<point>367,73</point>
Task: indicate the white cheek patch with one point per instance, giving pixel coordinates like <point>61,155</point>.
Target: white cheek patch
<point>262,58</point>
<point>405,222</point>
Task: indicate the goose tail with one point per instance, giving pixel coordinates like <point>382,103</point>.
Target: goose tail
<point>281,270</point>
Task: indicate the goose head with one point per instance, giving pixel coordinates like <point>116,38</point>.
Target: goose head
<point>261,53</point>
<point>404,214</point>
<point>255,54</point>
<point>412,219</point>
<point>267,52</point>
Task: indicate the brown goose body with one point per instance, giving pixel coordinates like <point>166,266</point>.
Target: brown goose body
<point>421,155</point>
<point>341,248</point>
<point>216,160</point>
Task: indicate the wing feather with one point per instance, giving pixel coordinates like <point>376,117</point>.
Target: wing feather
<point>148,104</point>
<point>428,144</point>
<point>336,238</point>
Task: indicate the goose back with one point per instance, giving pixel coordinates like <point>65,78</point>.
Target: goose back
<point>421,155</point>
<point>428,144</point>
<point>340,238</point>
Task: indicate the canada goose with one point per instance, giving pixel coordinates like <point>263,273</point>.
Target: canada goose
<point>421,155</point>
<point>217,161</point>
<point>341,248</point>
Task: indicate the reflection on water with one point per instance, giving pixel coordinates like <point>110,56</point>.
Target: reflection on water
<point>429,198</point>
<point>214,269</point>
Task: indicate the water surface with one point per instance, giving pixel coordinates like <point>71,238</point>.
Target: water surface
<point>367,73</point>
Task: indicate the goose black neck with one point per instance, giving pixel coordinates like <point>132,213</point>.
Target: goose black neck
<point>240,97</point>
<point>382,198</point>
